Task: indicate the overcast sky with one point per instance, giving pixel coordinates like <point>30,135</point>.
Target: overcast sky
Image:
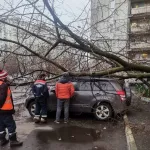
<point>68,9</point>
<point>71,9</point>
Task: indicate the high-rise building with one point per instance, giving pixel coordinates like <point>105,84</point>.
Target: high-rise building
<point>109,24</point>
<point>139,30</point>
<point>122,26</point>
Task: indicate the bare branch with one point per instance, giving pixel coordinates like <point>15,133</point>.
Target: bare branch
<point>36,54</point>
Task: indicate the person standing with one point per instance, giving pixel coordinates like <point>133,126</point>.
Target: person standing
<point>64,91</point>
<point>41,94</point>
<point>6,112</point>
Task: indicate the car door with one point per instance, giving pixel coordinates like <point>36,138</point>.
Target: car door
<point>82,98</point>
<point>52,100</point>
<point>73,102</point>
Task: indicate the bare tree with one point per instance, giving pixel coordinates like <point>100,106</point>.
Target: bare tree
<point>40,41</point>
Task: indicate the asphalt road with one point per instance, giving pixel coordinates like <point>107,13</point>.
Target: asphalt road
<point>82,133</point>
<point>139,118</point>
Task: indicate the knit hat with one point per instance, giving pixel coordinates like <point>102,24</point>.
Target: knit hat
<point>65,74</point>
<point>3,74</point>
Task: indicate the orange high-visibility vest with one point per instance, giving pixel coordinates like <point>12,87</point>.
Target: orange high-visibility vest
<point>8,105</point>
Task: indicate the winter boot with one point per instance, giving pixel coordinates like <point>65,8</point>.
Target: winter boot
<point>13,140</point>
<point>3,140</point>
<point>36,119</point>
<point>43,120</point>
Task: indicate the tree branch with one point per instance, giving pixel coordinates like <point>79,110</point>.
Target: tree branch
<point>27,31</point>
<point>36,54</point>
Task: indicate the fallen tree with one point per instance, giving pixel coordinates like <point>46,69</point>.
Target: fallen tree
<point>40,33</point>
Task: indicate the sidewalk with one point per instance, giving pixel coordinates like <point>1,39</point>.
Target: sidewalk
<point>139,117</point>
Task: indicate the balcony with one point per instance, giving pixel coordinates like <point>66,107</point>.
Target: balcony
<point>145,30</point>
<point>139,16</point>
<point>138,30</point>
<point>141,45</point>
<point>138,33</point>
<point>137,56</point>
<point>140,10</point>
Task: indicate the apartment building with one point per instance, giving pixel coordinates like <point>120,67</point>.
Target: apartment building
<point>139,31</point>
<point>123,24</point>
<point>109,24</point>
<point>15,34</point>
<point>12,33</point>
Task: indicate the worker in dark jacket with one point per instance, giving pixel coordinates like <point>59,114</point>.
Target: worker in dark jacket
<point>64,91</point>
<point>41,94</point>
<point>6,111</point>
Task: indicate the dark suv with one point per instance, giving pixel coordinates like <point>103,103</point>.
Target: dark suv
<point>104,97</point>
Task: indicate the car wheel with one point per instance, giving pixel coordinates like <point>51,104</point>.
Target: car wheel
<point>31,108</point>
<point>128,102</point>
<point>128,96</point>
<point>103,111</point>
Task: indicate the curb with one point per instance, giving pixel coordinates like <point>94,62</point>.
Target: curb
<point>131,145</point>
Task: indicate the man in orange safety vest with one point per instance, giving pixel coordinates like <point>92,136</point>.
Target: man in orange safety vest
<point>6,111</point>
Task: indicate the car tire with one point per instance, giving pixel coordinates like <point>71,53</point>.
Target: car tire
<point>103,111</point>
<point>31,108</point>
<point>128,102</point>
<point>128,96</point>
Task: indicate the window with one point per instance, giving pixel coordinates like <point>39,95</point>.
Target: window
<point>85,86</point>
<point>112,7</point>
<point>105,86</point>
<point>96,86</point>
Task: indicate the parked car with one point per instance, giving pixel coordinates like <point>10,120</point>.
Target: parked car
<point>104,97</point>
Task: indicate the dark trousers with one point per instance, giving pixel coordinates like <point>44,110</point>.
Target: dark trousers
<point>41,107</point>
<point>60,103</point>
<point>7,121</point>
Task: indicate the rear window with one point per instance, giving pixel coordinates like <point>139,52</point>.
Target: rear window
<point>96,86</point>
<point>85,86</point>
<point>105,86</point>
<point>117,85</point>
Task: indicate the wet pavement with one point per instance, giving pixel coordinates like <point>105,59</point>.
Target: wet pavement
<point>139,118</point>
<point>73,138</point>
<point>82,133</point>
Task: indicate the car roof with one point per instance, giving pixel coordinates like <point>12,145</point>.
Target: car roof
<point>91,79</point>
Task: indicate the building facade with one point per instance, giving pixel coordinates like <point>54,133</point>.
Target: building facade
<point>139,31</point>
<point>109,24</point>
<point>12,33</point>
<point>7,49</point>
<point>124,25</point>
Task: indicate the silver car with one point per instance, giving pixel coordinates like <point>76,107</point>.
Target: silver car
<point>104,97</point>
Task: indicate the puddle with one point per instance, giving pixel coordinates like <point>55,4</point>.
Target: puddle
<point>71,134</point>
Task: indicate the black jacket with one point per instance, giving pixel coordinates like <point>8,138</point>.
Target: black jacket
<point>3,94</point>
<point>40,89</point>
